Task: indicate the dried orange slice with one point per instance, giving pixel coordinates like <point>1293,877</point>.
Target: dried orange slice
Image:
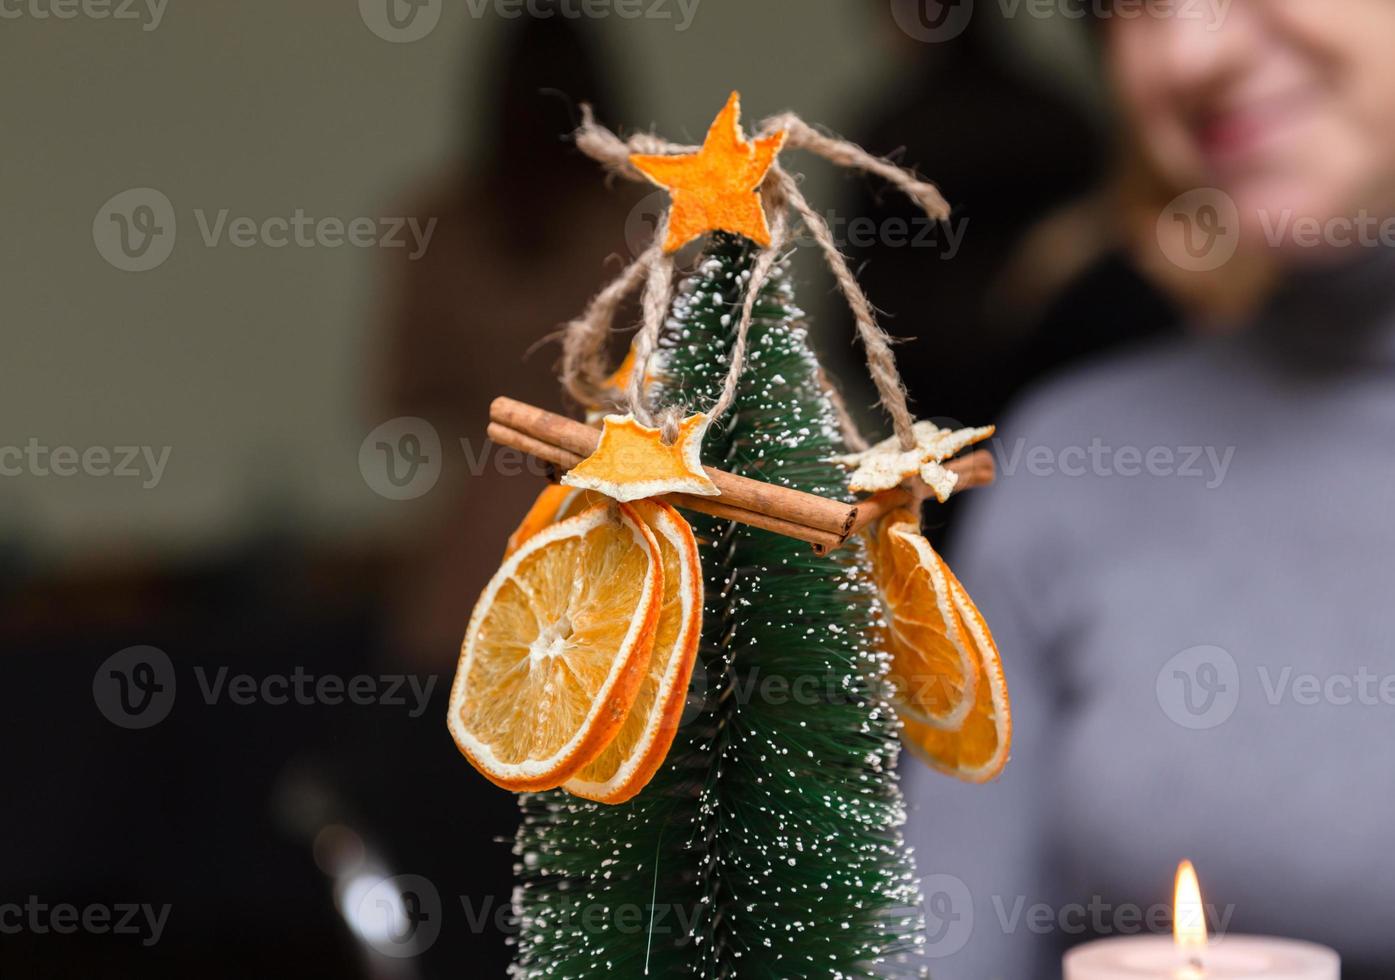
<point>632,461</point>
<point>627,764</point>
<point>931,672</point>
<point>554,504</point>
<point>979,750</point>
<point>557,648</point>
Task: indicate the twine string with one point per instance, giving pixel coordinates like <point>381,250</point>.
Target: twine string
<point>881,362</point>
<point>584,368</point>
<point>658,293</point>
<point>584,343</point>
<point>760,272</point>
<point>845,153</point>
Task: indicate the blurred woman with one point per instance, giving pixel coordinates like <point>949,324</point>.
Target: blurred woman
<point>1187,561</point>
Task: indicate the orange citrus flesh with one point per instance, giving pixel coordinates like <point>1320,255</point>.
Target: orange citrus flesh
<point>627,764</point>
<point>931,673</point>
<point>557,648</point>
<point>978,751</point>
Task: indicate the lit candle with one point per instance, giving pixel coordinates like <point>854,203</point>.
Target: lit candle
<point>1190,955</point>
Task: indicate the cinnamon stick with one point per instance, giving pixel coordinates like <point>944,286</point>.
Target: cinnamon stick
<point>975,470</point>
<point>563,443</point>
<point>767,499</point>
<point>564,460</point>
<point>823,541</point>
<point>506,436</point>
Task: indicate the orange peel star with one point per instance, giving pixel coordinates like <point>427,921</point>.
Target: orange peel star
<point>714,189</point>
<point>632,461</point>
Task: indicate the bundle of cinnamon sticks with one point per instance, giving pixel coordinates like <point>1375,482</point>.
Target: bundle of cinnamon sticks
<point>825,524</point>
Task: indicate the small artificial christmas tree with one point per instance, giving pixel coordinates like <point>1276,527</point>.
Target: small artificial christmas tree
<point>768,845</point>
<point>756,834</point>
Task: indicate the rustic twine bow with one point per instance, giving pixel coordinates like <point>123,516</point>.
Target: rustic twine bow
<point>584,367</point>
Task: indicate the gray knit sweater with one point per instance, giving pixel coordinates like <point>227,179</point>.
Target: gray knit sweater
<point>1189,565</point>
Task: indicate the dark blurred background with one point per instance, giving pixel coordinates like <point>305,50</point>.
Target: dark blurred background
<point>316,518</point>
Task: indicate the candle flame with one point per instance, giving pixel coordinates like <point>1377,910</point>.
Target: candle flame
<point>1188,915</point>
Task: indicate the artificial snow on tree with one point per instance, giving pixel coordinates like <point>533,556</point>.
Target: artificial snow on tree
<point>702,712</point>
<point>769,843</point>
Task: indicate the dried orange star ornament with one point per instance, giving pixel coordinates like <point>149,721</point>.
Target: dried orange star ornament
<point>632,461</point>
<point>714,189</point>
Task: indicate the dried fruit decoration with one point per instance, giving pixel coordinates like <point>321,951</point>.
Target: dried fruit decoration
<point>761,821</point>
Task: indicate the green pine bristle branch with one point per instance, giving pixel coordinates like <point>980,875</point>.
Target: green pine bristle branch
<point>769,843</point>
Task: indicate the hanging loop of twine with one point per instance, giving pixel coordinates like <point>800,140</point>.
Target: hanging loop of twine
<point>583,361</point>
<point>658,293</point>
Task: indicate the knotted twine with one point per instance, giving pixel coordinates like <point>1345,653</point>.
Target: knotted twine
<point>584,368</point>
